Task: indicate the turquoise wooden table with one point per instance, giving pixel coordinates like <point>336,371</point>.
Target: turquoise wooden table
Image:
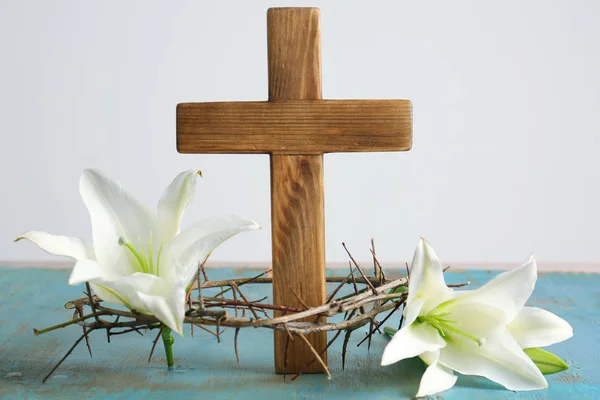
<point>204,369</point>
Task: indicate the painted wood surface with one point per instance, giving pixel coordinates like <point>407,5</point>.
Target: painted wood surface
<point>204,369</point>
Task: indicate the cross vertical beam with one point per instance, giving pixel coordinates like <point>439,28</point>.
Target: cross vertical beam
<point>297,205</point>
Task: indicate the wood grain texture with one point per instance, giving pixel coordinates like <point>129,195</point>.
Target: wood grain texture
<point>294,127</point>
<point>294,52</point>
<point>297,209</point>
<point>298,248</point>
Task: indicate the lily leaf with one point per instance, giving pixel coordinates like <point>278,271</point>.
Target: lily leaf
<point>547,362</point>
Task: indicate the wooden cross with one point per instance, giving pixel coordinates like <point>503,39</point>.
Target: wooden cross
<point>296,127</point>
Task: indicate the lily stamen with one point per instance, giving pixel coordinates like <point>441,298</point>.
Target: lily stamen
<point>145,264</point>
<point>158,259</point>
<point>442,325</point>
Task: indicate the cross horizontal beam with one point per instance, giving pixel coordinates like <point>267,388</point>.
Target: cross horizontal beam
<point>294,126</point>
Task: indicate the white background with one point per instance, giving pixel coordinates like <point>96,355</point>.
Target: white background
<point>506,98</point>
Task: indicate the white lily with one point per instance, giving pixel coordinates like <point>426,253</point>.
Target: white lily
<point>138,257</point>
<point>474,332</point>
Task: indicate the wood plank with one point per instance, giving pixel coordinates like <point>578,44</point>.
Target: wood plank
<point>297,206</point>
<point>294,127</point>
<point>294,53</point>
<point>298,232</point>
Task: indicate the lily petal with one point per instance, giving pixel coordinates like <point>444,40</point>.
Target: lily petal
<point>106,294</point>
<point>114,215</point>
<point>169,309</point>
<point>119,289</point>
<point>198,241</point>
<point>535,327</point>
<point>65,246</point>
<point>507,292</point>
<point>426,281</point>
<point>154,295</point>
<point>413,310</point>
<point>176,198</point>
<point>477,319</point>
<point>147,294</point>
<point>89,270</point>
<point>429,357</point>
<point>436,378</point>
<point>411,341</point>
<point>500,359</point>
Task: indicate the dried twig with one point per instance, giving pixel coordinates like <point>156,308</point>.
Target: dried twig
<point>372,331</point>
<point>337,289</point>
<point>362,310</point>
<point>235,344</point>
<point>367,281</point>
<point>311,361</point>
<point>306,307</point>
<point>203,270</point>
<point>401,317</point>
<point>237,304</point>
<point>65,356</point>
<point>218,330</point>
<point>381,272</point>
<point>234,292</point>
<point>287,330</point>
<point>205,329</point>
<point>375,267</point>
<point>79,312</point>
<point>345,346</point>
<point>241,281</point>
<point>160,331</point>
<point>315,353</point>
<point>234,286</point>
<point>64,324</point>
<point>285,354</point>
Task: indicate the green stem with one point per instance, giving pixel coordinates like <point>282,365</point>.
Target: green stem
<point>388,330</point>
<point>168,341</point>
